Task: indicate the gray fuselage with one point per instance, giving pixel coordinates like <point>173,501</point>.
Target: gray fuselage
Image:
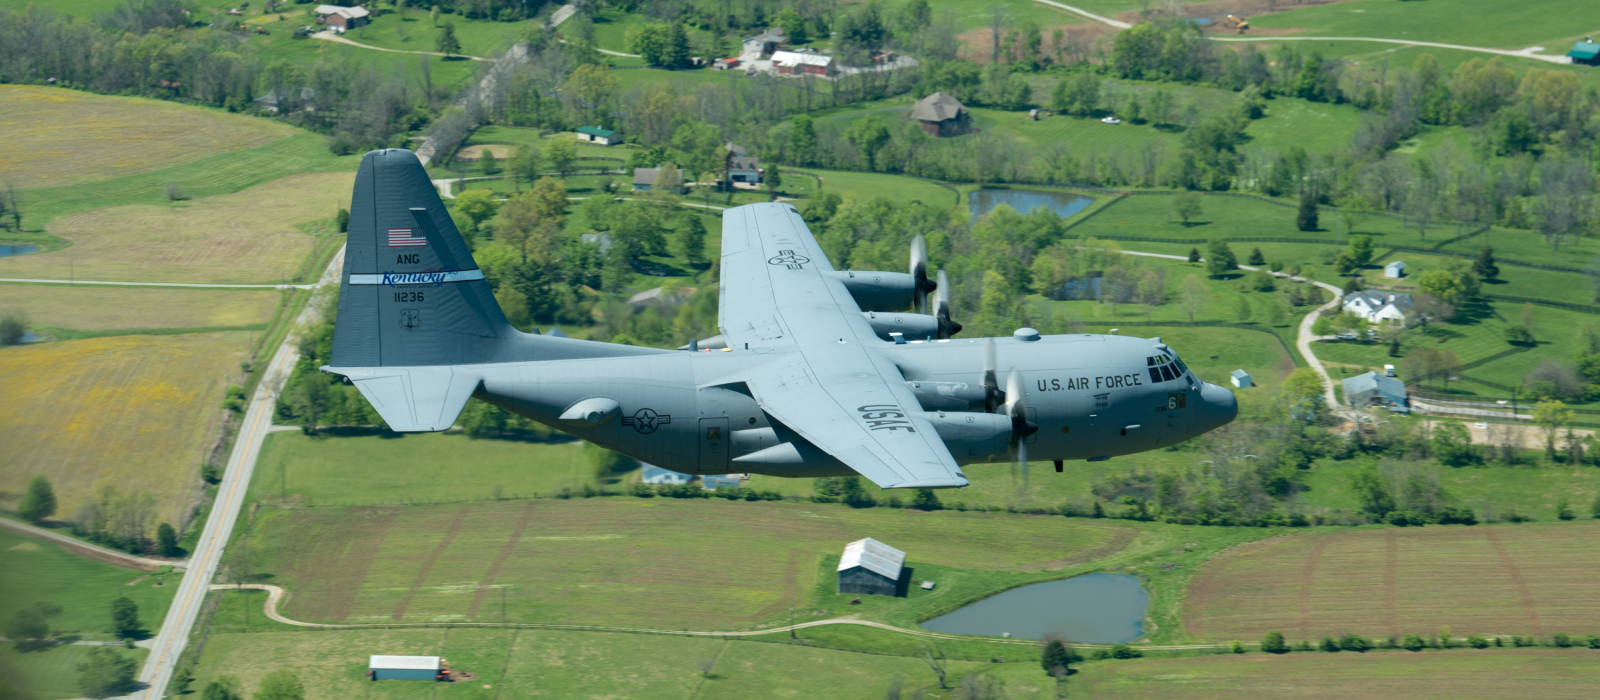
<point>1092,397</point>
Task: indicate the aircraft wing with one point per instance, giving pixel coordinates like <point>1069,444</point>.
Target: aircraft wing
<point>828,386</point>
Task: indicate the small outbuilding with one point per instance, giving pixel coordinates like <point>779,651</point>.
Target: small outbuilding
<point>1585,53</point>
<point>645,178</point>
<point>595,134</point>
<point>942,115</point>
<point>1394,270</point>
<point>404,668</point>
<point>871,567</point>
<point>653,474</point>
<point>1242,379</point>
<point>342,17</point>
<point>1373,389</point>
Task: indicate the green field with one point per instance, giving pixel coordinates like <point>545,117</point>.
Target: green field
<point>72,311</point>
<point>1464,673</point>
<point>416,33</point>
<point>412,468</point>
<point>1487,490</point>
<point>52,673</point>
<point>614,550</point>
<point>1485,579</point>
<point>1486,23</point>
<point>537,663</point>
<point>34,569</point>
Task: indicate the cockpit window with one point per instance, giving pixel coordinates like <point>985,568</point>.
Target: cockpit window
<point>1164,369</point>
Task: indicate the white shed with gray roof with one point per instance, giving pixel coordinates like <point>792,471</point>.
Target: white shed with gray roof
<point>870,566</point>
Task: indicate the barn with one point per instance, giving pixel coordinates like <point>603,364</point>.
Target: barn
<point>872,567</point>
<point>404,668</point>
<point>1373,389</point>
<point>942,115</point>
<point>341,17</point>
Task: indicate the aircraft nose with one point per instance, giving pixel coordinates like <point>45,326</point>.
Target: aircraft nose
<point>1218,407</point>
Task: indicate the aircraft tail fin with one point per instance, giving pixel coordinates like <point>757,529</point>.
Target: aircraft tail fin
<point>412,295</point>
<point>415,312</point>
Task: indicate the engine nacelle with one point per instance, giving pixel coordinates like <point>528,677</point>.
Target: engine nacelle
<point>878,291</point>
<point>912,326</point>
<point>948,396</point>
<point>972,437</point>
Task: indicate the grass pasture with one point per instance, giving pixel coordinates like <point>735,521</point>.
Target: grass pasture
<point>425,467</point>
<point>57,137</point>
<point>1485,23</point>
<point>246,237</point>
<point>136,410</point>
<point>34,569</point>
<point>1467,674</point>
<point>51,673</point>
<point>455,562</point>
<point>1525,579</point>
<point>545,664</point>
<point>107,310</point>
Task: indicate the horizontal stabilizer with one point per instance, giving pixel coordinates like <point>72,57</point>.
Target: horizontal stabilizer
<point>413,399</point>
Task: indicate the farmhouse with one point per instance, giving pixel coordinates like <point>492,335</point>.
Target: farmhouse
<point>763,44</point>
<point>1394,270</point>
<point>1373,389</point>
<point>404,668</point>
<point>872,567</point>
<point>744,169</point>
<point>1378,307</point>
<point>942,115</point>
<point>645,178</point>
<point>803,62</point>
<point>341,17</point>
<point>653,474</point>
<point>1586,53</point>
<point>595,134</point>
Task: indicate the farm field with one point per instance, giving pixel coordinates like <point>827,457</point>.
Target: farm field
<point>34,569</point>
<point>614,550</point>
<point>538,663</point>
<point>1471,22</point>
<point>66,137</point>
<point>87,309</point>
<point>480,38</point>
<point>1500,579</point>
<point>1463,673</point>
<point>246,237</point>
<point>410,468</point>
<point>895,187</point>
<point>52,673</point>
<point>134,410</point>
<point>1490,490</point>
<point>224,173</point>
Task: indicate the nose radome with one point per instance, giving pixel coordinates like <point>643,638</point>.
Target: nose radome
<point>1220,407</point>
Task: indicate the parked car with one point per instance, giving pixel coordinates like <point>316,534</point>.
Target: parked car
<point>1111,120</point>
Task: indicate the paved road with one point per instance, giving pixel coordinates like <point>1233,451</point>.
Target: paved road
<point>208,551</point>
<point>163,284</point>
<point>328,35</point>
<point>1103,20</point>
<point>93,551</point>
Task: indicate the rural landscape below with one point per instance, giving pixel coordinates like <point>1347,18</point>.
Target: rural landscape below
<point>500,349</point>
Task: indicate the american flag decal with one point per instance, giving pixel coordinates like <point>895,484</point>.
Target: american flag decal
<point>406,238</point>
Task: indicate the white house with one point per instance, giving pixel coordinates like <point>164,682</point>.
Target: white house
<point>656,475</point>
<point>1379,306</point>
<point>744,169</point>
<point>764,44</point>
<point>1242,379</point>
<point>1394,270</point>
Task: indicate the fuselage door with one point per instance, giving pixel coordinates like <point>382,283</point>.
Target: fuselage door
<point>714,446</point>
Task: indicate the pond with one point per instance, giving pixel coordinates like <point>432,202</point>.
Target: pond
<point>1064,204</point>
<point>1092,609</point>
<point>10,250</point>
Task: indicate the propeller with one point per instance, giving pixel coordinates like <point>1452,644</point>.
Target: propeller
<point>1021,428</point>
<point>919,272</point>
<point>941,308</point>
<point>990,381</point>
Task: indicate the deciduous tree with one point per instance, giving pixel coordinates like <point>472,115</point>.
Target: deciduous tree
<point>105,673</point>
<point>39,502</point>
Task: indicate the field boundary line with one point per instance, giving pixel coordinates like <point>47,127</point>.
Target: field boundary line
<point>1306,580</point>
<point>500,560</point>
<point>433,559</point>
<point>89,549</point>
<point>1523,592</point>
<point>158,284</point>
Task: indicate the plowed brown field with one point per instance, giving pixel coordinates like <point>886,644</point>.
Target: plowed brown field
<point>1502,579</point>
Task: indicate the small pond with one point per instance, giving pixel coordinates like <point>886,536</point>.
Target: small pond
<point>1064,204</point>
<point>1092,609</point>
<point>10,250</point>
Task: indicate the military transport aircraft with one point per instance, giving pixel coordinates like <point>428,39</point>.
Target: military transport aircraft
<point>817,372</point>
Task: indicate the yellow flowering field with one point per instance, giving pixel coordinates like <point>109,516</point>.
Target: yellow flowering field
<point>136,410</point>
<point>88,308</point>
<point>248,237</point>
<point>64,137</point>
